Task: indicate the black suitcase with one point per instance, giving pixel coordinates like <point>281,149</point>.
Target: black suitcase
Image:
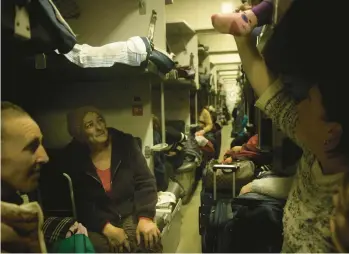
<point>214,215</point>
<point>255,226</point>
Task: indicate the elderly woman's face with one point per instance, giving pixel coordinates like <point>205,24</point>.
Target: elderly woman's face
<point>95,129</point>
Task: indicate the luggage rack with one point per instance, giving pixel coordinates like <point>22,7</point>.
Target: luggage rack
<point>59,69</point>
<point>56,68</point>
<point>176,84</point>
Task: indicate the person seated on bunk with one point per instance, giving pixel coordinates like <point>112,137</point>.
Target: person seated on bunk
<point>216,126</point>
<point>248,130</point>
<point>208,129</point>
<point>205,122</point>
<point>115,190</point>
<point>250,146</point>
<point>315,123</point>
<point>206,146</point>
<point>22,155</point>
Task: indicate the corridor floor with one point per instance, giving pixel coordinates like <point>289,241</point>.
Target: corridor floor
<point>190,239</point>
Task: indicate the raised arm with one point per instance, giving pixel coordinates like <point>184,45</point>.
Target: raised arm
<point>254,65</point>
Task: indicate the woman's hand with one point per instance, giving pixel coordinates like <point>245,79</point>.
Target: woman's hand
<point>236,149</point>
<point>150,232</point>
<point>77,228</point>
<point>117,237</point>
<point>246,189</point>
<point>200,133</point>
<point>228,160</point>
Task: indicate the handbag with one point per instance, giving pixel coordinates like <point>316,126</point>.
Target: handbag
<point>77,243</point>
<point>162,60</point>
<point>244,175</point>
<point>186,72</point>
<point>48,30</point>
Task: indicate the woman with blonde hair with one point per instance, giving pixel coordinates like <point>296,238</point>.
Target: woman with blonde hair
<point>205,121</point>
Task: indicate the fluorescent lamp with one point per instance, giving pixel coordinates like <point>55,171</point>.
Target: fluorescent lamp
<point>227,7</point>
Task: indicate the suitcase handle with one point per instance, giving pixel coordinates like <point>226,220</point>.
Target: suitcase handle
<point>227,169</point>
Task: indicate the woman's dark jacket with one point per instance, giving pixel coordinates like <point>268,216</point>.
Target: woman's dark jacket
<point>133,185</point>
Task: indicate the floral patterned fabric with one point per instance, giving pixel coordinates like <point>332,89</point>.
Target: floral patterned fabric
<point>309,205</point>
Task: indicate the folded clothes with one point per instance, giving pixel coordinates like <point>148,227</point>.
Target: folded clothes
<point>166,199</point>
<point>166,203</point>
<point>132,52</point>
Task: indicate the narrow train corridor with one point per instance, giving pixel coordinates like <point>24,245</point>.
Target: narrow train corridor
<point>190,241</point>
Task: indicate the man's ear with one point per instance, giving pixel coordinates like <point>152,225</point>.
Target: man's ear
<point>333,136</point>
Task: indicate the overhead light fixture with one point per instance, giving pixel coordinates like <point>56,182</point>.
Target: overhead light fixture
<point>227,7</point>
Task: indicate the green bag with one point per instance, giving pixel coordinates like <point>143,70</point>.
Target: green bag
<point>75,244</point>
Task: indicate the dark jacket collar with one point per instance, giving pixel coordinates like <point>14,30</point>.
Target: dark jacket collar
<point>81,154</point>
<point>8,194</point>
<point>117,150</point>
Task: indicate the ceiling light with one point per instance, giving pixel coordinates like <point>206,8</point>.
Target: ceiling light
<point>227,7</point>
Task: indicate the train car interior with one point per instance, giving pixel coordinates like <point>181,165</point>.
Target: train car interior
<point>170,126</point>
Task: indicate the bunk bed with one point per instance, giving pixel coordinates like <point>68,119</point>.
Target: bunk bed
<point>44,70</point>
<point>60,70</point>
<point>181,41</point>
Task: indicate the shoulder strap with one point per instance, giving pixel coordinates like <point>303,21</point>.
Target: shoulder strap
<point>151,30</point>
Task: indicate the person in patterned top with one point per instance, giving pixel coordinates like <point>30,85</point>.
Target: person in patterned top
<point>314,122</point>
<point>340,219</point>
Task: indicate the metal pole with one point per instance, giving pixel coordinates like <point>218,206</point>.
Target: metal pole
<point>248,110</point>
<point>275,14</point>
<point>234,190</point>
<point>163,127</point>
<point>259,127</point>
<point>196,107</point>
<point>71,190</point>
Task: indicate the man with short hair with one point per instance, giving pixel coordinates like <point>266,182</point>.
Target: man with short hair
<point>22,155</point>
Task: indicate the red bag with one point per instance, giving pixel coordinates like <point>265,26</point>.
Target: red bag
<point>251,152</point>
